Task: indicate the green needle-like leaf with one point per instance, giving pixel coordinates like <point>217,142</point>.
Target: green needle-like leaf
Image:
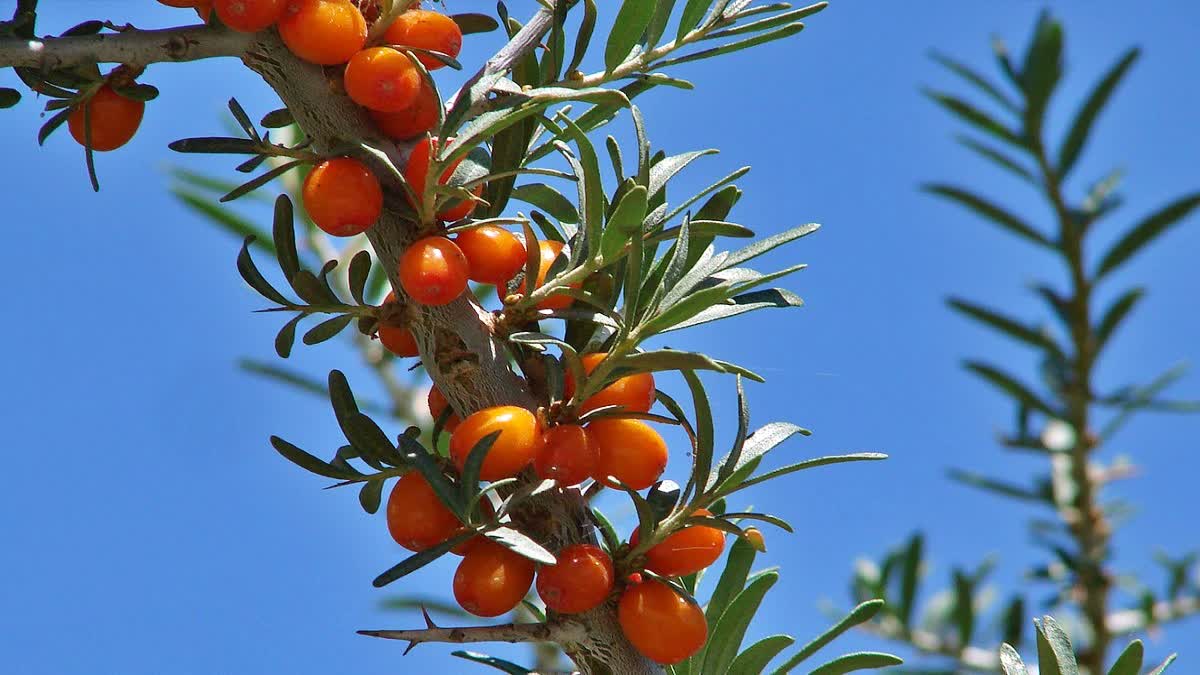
<point>1081,126</point>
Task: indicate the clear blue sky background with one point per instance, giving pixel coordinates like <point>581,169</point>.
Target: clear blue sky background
<point>148,527</point>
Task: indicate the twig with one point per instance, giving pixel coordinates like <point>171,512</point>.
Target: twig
<point>133,47</point>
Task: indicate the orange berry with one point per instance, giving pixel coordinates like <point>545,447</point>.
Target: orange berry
<point>663,625</point>
<point>491,579</point>
<point>414,120</point>
<point>519,441</point>
<point>114,119</point>
<point>568,455</point>
<point>433,271</point>
<point>425,29</point>
<point>398,340</point>
<point>416,173</point>
<point>684,551</point>
<point>549,252</point>
<point>581,580</point>
<point>437,405</point>
<point>634,392</point>
<point>204,9</point>
<point>629,450</point>
<point>383,79</point>
<point>325,32</point>
<point>342,196</point>
<point>493,253</point>
<point>416,518</point>
<point>249,16</point>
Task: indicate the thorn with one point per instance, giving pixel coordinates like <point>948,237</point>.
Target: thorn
<point>412,645</point>
<point>428,621</point>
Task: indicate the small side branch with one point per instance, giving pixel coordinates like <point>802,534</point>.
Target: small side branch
<point>133,47</point>
<point>511,632</point>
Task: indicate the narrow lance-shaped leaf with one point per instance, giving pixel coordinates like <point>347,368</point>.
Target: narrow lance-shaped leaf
<point>909,577</point>
<point>1145,232</point>
<point>973,77</point>
<point>727,636</point>
<point>1010,385</point>
<point>1055,654</point>
<point>753,41</point>
<point>1130,660</point>
<point>418,560</point>
<point>492,661</point>
<point>990,211</point>
<point>976,118</point>
<point>859,615</point>
<point>1010,661</point>
<point>628,28</point>
<point>1081,125</point>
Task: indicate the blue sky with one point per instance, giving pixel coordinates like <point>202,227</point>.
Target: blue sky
<point>150,528</point>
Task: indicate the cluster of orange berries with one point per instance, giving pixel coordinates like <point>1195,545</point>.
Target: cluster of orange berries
<point>491,580</point>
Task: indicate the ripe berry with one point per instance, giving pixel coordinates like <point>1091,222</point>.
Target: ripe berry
<point>519,441</point>
<point>491,579</point>
<point>202,7</point>
<point>416,518</point>
<point>437,405</point>
<point>396,338</point>
<point>568,455</point>
<point>494,254</point>
<point>342,196</point>
<point>629,450</point>
<point>662,624</point>
<point>325,32</point>
<point>433,271</point>
<point>249,16</point>
<point>113,119</point>
<point>416,173</point>
<point>634,392</point>
<point>581,580</point>
<point>549,252</point>
<point>687,550</point>
<point>425,29</point>
<point>414,120</point>
<point>383,79</point>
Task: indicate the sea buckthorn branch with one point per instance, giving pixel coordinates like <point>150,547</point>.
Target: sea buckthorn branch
<point>1070,405</point>
<point>556,632</point>
<point>137,47</point>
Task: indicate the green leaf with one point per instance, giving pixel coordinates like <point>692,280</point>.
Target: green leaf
<point>703,451</point>
<point>418,560</point>
<point>250,273</point>
<point>761,38</point>
<point>1145,232</point>
<point>1013,621</point>
<point>360,270</point>
<point>990,211</point>
<point>692,13</point>
<point>469,483</point>
<point>733,579</point>
<point>327,329</point>
<point>859,615</point>
<point>607,531</point>
<point>52,124</point>
<point>1004,324</point>
<point>1130,660</point>
<point>1162,668</point>
<point>976,118</point>
<point>9,97</point>
<point>964,607</point>
<point>658,23</point>
<point>243,119</point>
<point>216,146</point>
<point>1010,385</point>
<point>976,79</point>
<point>471,24</point>
<point>808,464</point>
<point>287,337</point>
<point>521,544</point>
<point>371,495</point>
<point>284,236</point>
<point>755,658</point>
<point>726,638</point>
<point>671,359</point>
<point>910,576</point>
<point>755,447</point>
<point>999,158</point>
<point>499,664</point>
<point>628,28</point>
<point>1000,487</point>
<point>764,245</point>
<point>1055,654</point>
<point>857,661</point>
<point>308,462</point>
<point>1081,126</point>
<point>767,22</point>
<point>261,180</point>
<point>225,219</point>
<point>669,167</point>
<point>591,192</point>
<point>583,36</point>
<point>624,223</point>
<point>1010,661</point>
